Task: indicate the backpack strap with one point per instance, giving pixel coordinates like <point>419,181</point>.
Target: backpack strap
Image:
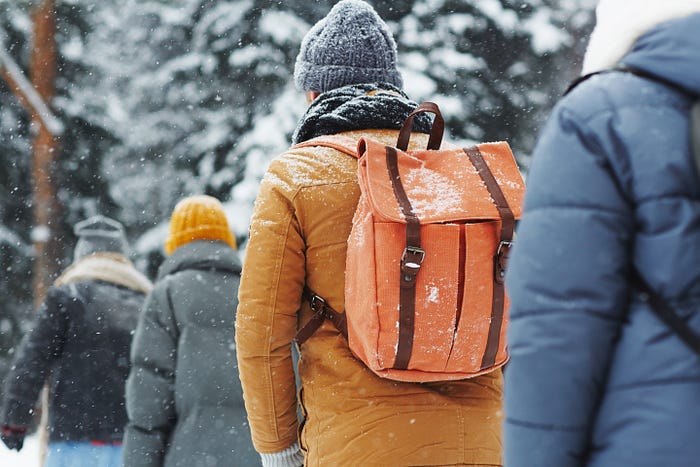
<point>322,311</point>
<point>667,314</point>
<point>413,255</point>
<point>694,111</point>
<point>652,77</point>
<point>695,133</point>
<point>579,79</point>
<point>500,259</point>
<point>628,69</point>
<point>411,261</point>
<point>342,143</point>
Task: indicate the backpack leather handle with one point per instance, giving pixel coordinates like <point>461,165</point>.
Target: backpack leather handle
<point>436,130</point>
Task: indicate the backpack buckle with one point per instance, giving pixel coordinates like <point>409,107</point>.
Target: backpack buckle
<point>317,304</point>
<point>320,307</point>
<point>503,244</point>
<point>411,260</point>
<point>501,260</point>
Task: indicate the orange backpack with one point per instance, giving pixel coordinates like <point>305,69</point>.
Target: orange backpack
<point>426,256</point>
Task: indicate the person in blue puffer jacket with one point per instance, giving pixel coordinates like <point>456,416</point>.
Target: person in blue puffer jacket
<point>595,377</point>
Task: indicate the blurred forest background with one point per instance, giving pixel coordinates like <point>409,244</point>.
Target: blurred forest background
<point>154,100</point>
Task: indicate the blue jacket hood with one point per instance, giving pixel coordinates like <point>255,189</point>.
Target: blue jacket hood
<point>671,51</point>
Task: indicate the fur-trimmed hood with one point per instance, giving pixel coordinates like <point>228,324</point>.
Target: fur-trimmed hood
<point>659,37</point>
<point>106,267</point>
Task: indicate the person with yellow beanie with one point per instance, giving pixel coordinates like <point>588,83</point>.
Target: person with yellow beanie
<point>198,218</point>
<point>183,396</point>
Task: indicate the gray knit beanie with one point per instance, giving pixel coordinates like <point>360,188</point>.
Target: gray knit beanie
<point>351,45</point>
<point>99,234</point>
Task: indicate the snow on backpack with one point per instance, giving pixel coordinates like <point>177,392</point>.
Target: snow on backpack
<point>426,256</point>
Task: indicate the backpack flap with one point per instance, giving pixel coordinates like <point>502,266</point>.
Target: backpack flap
<point>443,185</point>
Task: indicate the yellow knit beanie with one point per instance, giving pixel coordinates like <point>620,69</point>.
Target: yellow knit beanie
<point>198,217</point>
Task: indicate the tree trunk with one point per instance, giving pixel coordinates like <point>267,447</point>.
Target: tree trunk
<point>42,74</point>
<point>44,234</point>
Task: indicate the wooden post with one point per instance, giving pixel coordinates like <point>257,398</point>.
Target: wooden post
<point>42,73</point>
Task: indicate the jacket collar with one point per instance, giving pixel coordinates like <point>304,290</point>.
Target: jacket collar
<point>113,268</point>
<point>202,255</point>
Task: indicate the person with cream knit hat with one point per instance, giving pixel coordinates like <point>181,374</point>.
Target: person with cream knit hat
<point>80,343</point>
<point>347,67</point>
<point>183,396</point>
<point>596,378</point>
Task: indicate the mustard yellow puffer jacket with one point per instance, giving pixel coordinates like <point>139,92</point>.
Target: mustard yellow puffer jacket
<point>298,235</point>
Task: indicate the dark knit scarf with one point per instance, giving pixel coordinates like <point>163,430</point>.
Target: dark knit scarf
<point>353,108</point>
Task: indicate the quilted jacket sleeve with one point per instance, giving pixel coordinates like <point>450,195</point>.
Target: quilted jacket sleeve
<point>35,355</point>
<point>566,282</point>
<point>269,297</point>
<point>150,398</point>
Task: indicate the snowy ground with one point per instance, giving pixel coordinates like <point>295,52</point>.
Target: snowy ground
<point>27,457</point>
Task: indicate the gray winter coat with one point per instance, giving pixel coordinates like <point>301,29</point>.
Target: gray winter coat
<point>184,399</point>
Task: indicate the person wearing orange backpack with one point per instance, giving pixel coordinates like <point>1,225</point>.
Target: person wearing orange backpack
<point>604,279</point>
<point>298,238</point>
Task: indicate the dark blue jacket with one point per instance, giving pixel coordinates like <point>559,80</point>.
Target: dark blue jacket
<point>595,378</point>
<point>80,341</point>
